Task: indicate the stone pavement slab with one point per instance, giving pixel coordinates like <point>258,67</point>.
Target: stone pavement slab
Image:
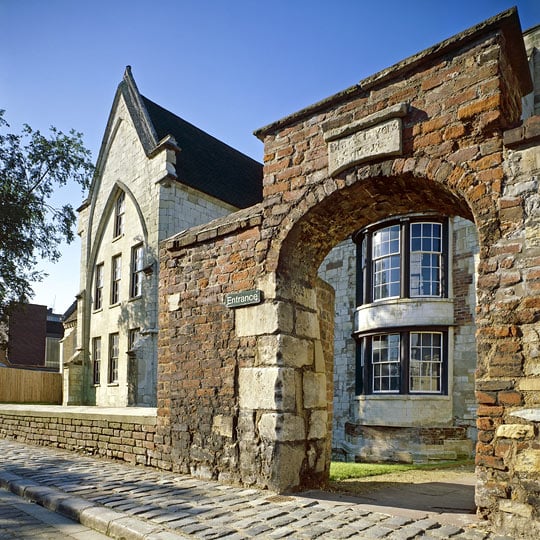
<point>137,503</point>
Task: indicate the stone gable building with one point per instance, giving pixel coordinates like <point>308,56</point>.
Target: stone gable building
<point>156,174</point>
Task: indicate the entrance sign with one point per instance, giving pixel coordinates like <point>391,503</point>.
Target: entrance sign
<point>244,298</point>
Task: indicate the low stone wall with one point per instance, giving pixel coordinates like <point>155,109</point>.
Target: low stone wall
<point>125,434</point>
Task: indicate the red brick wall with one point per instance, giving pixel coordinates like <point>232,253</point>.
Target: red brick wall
<point>27,333</point>
<point>199,354</point>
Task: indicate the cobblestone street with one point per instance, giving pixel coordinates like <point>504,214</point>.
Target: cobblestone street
<point>129,502</point>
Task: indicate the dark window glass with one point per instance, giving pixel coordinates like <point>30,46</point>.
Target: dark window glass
<point>119,213</point>
<point>98,287</point>
<point>137,263</point>
<point>113,357</point>
<point>116,275</point>
<point>96,359</point>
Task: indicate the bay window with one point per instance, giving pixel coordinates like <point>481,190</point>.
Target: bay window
<point>403,314</point>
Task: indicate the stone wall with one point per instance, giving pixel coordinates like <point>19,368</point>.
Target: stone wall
<point>508,381</point>
<point>113,433</point>
<point>339,270</point>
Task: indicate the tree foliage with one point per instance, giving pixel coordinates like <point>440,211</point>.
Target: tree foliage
<point>32,167</point>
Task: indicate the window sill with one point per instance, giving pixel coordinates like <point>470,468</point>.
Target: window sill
<point>98,310</point>
<point>135,298</point>
<point>402,397</point>
<point>113,384</point>
<point>114,305</point>
<point>116,238</point>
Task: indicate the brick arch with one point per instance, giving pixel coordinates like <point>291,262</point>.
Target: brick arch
<point>326,215</point>
<point>332,211</point>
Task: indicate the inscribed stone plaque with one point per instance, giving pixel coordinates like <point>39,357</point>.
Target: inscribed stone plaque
<point>381,140</point>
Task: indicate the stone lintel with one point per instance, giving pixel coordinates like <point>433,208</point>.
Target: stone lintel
<point>377,141</point>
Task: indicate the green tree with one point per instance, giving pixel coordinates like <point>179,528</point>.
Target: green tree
<point>32,167</point>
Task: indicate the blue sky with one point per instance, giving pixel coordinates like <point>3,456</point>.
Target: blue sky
<point>228,67</point>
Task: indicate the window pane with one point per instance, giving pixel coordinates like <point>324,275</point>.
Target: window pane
<point>133,338</point>
<point>113,357</point>
<point>98,287</point>
<point>137,264</point>
<point>425,261</point>
<point>386,241</point>
<point>96,358</point>
<point>119,211</point>
<point>116,276</point>
<point>386,277</point>
<point>425,362</point>
<point>386,362</point>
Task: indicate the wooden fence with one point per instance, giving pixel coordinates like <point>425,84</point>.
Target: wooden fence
<point>27,386</point>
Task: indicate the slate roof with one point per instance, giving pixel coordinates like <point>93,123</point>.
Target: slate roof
<point>207,164</point>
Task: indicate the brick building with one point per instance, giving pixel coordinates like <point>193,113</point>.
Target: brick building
<point>32,337</point>
<point>432,167</point>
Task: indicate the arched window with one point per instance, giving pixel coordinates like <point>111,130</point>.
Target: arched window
<point>119,213</point>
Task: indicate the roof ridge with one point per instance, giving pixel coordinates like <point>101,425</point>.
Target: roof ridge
<point>136,107</point>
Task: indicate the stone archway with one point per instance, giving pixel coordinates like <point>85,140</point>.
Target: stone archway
<point>243,385</point>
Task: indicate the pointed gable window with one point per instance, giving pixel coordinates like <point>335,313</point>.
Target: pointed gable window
<point>119,214</point>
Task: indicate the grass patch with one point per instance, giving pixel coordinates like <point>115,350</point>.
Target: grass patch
<point>346,471</point>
